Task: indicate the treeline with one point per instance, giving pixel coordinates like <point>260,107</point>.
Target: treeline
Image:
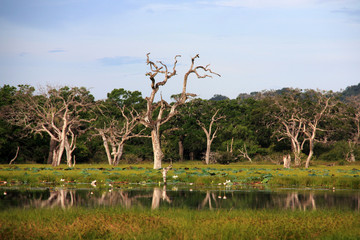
<point>66,124</point>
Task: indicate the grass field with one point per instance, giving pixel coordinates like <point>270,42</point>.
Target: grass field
<point>187,172</point>
<point>117,223</point>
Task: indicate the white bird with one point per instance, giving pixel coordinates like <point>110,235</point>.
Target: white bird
<point>93,183</point>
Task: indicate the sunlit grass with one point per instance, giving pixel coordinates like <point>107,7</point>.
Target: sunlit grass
<point>118,223</point>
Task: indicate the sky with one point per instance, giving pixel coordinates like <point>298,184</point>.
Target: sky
<point>254,45</point>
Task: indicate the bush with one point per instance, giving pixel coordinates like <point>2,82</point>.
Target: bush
<point>337,152</point>
<point>132,158</point>
<point>224,157</point>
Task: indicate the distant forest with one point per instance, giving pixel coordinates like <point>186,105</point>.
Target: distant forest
<point>67,125</point>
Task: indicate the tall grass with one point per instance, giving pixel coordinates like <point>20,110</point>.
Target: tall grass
<point>118,223</point>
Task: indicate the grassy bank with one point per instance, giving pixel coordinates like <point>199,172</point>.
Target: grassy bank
<point>188,172</point>
<point>117,223</point>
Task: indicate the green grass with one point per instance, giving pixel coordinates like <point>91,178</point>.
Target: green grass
<point>118,223</point>
<point>187,172</point>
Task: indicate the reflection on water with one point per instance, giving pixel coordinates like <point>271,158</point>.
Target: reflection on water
<point>159,197</point>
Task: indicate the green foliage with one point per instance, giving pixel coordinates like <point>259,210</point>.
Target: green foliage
<point>337,151</point>
<point>224,157</point>
<point>351,91</point>
<point>249,121</point>
<point>122,97</point>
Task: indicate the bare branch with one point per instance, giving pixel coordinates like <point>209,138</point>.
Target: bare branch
<point>16,155</point>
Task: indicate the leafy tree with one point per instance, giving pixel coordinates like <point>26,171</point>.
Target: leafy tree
<point>218,97</point>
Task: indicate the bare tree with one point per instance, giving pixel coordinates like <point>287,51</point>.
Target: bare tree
<point>298,115</point>
<point>289,116</point>
<point>158,113</point>
<point>55,112</point>
<point>244,153</point>
<point>117,132</point>
<point>320,108</point>
<point>210,134</point>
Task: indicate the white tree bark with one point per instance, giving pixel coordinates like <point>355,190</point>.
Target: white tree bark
<point>311,127</point>
<point>210,136</point>
<point>149,120</point>
<point>287,161</point>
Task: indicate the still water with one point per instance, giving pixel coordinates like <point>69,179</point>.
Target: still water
<point>175,197</point>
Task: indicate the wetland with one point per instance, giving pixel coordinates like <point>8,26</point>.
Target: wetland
<point>199,202</point>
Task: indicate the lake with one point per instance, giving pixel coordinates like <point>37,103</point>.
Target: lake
<point>180,197</point>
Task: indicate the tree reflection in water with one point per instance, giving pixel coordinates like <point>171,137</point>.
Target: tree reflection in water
<point>292,201</point>
<point>158,197</point>
<point>159,194</point>
<point>210,196</point>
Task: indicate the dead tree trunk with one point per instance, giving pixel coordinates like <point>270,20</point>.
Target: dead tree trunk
<point>210,136</point>
<point>244,153</point>
<point>287,161</point>
<point>16,155</point>
<point>119,154</point>
<point>106,145</point>
<point>158,154</point>
<point>164,173</point>
<point>69,148</point>
<point>59,153</point>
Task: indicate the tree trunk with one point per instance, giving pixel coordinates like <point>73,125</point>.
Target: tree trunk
<point>106,146</point>
<point>59,154</point>
<point>296,149</point>
<point>181,149</point>
<point>208,150</point>
<point>69,152</point>
<point>53,145</point>
<point>55,155</point>
<point>311,153</point>
<point>287,161</point>
<point>350,156</point>
<point>158,154</point>
<point>191,156</point>
<point>119,154</point>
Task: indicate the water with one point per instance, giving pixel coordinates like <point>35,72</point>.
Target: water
<point>175,197</point>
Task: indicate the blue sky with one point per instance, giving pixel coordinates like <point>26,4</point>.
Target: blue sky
<point>254,44</point>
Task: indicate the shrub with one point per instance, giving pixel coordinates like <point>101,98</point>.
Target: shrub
<point>132,158</point>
